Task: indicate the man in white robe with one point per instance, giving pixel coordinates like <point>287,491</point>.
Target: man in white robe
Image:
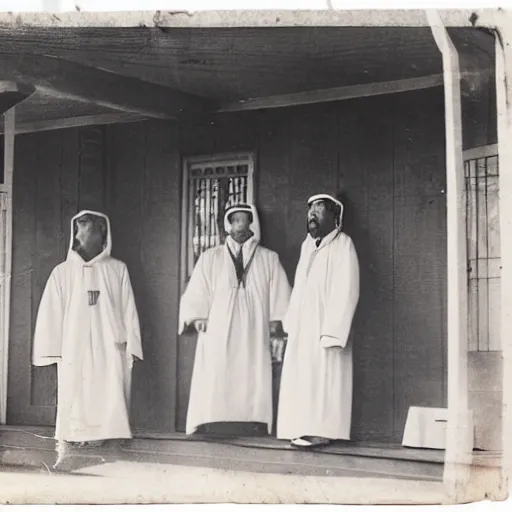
<point>315,400</point>
<point>88,324</point>
<point>237,296</point>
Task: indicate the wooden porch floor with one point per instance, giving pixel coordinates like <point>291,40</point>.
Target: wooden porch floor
<point>34,447</point>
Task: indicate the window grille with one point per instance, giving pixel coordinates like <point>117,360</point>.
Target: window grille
<point>483,252</point>
<point>212,185</point>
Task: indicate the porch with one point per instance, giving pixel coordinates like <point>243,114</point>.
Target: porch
<point>116,119</point>
<point>34,447</point>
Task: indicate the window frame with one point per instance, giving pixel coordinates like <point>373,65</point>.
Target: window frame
<point>188,163</point>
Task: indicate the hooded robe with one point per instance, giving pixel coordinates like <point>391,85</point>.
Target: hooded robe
<point>93,337</point>
<point>232,374</point>
<point>315,396</point>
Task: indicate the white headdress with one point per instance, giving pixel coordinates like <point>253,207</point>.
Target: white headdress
<point>320,197</point>
<point>249,208</point>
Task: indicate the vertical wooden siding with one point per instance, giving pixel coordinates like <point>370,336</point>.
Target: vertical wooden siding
<point>387,154</point>
<point>56,174</point>
<point>144,206</point>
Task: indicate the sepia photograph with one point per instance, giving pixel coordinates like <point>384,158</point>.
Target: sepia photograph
<point>255,256</point>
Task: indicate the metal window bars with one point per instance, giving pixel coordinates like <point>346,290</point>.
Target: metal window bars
<point>483,253</point>
<point>213,188</point>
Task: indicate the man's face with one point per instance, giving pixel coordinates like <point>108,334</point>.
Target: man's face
<point>240,222</point>
<point>321,219</point>
<point>90,234</point>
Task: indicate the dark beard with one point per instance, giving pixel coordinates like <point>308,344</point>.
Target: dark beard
<point>314,229</point>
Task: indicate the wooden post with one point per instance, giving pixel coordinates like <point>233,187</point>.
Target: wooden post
<point>9,131</point>
<point>459,436</point>
<point>504,109</point>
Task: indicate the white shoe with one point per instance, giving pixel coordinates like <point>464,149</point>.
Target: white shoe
<point>300,442</point>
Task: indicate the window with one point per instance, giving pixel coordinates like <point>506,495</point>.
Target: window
<point>210,185</point>
<point>483,248</point>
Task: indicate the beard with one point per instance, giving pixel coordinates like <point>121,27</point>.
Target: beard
<point>313,227</point>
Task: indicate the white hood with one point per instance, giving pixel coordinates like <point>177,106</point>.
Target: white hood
<point>254,226</point>
<point>107,248</point>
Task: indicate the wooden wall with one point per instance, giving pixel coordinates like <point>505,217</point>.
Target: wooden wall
<point>144,206</point>
<point>131,173</point>
<point>56,174</point>
<point>386,153</point>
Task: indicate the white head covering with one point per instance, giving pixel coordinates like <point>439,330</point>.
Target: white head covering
<point>320,197</point>
<point>107,248</point>
<point>249,208</point>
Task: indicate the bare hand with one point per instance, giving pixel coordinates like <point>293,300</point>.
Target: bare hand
<point>201,325</point>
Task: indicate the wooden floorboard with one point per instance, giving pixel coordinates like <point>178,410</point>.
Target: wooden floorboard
<point>34,447</point>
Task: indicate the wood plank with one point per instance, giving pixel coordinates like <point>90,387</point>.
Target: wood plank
<point>313,165</point>
<point>79,121</point>
<point>419,255</point>
<point>419,308</point>
<point>24,191</point>
<point>48,247</point>
<point>504,91</point>
<point>160,260</point>
<point>273,176</point>
<point>13,93</point>
<point>126,150</point>
<point>243,18</point>
<point>69,191</point>
<point>67,79</point>
<point>9,119</point>
<point>91,167</point>
<point>365,169</point>
<point>459,433</point>
<point>333,94</point>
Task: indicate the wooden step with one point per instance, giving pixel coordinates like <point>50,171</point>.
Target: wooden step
<point>35,447</point>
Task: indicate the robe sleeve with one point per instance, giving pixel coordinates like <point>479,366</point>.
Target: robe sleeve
<point>342,300</point>
<point>196,302</point>
<point>130,317</point>
<point>47,347</point>
<point>279,291</point>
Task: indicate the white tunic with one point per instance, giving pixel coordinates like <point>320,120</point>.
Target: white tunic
<point>232,375</point>
<point>316,381</point>
<point>93,345</point>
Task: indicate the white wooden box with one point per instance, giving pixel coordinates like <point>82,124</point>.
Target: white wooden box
<point>425,428</point>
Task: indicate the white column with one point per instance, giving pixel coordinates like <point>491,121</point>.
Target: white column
<point>9,131</point>
<point>504,109</point>
<point>460,436</point>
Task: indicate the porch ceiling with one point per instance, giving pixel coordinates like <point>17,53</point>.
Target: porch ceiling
<point>240,63</point>
<point>213,66</point>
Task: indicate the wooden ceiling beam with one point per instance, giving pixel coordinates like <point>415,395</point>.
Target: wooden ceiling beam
<point>76,122</point>
<point>12,93</point>
<point>333,94</point>
<point>69,80</point>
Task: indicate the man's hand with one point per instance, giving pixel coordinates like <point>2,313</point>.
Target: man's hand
<point>201,325</point>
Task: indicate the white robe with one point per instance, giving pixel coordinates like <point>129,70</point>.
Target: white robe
<point>232,375</point>
<point>316,381</point>
<point>93,346</point>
